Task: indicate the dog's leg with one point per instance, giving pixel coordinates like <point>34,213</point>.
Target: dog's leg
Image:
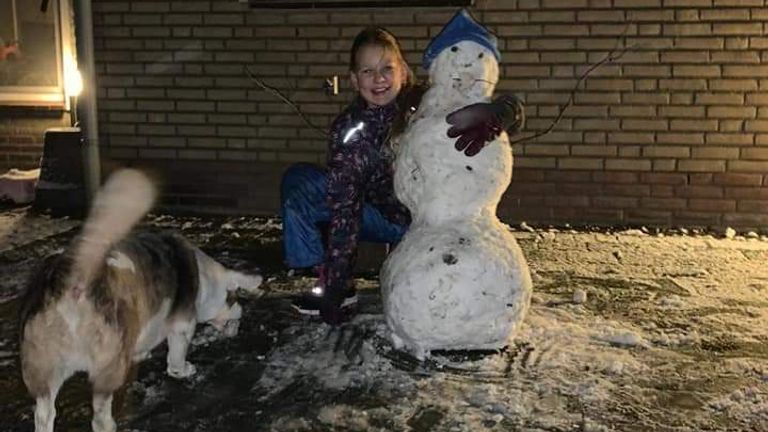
<point>178,342</point>
<point>103,384</point>
<point>45,413</point>
<point>228,320</point>
<point>102,413</point>
<point>45,397</point>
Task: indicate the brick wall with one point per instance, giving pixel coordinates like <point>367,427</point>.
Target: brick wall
<point>21,135</point>
<point>675,133</point>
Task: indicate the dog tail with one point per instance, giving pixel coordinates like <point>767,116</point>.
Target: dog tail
<point>121,203</point>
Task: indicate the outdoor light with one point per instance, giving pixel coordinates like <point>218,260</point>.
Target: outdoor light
<point>73,85</point>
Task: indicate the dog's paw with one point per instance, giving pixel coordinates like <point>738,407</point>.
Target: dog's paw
<point>231,328</point>
<point>185,372</point>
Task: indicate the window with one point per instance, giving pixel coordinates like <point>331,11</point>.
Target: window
<point>308,4</point>
<point>32,50</point>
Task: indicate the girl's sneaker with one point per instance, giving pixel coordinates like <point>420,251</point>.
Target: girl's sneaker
<point>309,303</point>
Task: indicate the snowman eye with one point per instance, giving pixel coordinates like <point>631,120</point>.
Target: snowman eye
<point>480,55</point>
<point>454,48</point>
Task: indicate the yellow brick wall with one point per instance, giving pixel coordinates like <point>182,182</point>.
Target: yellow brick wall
<point>675,133</point>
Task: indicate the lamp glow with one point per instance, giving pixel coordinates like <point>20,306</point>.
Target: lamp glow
<point>73,81</point>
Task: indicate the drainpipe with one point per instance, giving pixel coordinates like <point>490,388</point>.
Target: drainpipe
<point>87,112</point>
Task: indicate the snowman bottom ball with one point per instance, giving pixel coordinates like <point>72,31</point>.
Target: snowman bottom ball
<point>464,287</point>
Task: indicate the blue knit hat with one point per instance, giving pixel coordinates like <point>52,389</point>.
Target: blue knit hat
<point>462,27</point>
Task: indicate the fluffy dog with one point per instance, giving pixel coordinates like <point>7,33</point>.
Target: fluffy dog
<point>113,296</point>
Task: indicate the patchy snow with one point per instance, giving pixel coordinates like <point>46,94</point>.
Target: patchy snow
<point>671,334</point>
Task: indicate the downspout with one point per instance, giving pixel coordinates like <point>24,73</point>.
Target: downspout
<point>86,107</point>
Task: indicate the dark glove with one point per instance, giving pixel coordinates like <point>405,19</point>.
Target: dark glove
<point>477,124</point>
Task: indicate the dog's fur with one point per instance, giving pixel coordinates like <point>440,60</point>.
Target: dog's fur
<point>113,296</point>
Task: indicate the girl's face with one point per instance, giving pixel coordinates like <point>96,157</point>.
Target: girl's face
<point>379,76</point>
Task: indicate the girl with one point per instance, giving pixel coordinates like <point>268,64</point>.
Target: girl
<point>354,198</point>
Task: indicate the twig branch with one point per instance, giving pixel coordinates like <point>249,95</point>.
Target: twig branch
<point>281,96</point>
<point>611,57</point>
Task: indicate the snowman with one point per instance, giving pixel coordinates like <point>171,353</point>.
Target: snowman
<point>458,279</point>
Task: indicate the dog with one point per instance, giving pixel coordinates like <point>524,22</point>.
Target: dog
<point>113,295</point>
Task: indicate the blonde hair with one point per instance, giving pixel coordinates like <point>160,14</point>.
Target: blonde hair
<point>377,36</point>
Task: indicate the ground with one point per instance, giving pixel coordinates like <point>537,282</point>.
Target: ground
<point>629,330</point>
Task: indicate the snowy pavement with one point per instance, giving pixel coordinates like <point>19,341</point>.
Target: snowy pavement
<point>628,331</point>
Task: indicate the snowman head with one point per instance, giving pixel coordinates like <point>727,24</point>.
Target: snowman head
<point>464,57</point>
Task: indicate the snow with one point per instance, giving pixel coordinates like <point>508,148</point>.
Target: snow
<point>671,337</point>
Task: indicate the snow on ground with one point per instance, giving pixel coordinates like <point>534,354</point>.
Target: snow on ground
<point>628,331</point>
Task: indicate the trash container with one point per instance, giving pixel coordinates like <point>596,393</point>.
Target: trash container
<point>61,187</point>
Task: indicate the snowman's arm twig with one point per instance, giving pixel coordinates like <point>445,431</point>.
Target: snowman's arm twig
<point>282,97</point>
<point>611,57</point>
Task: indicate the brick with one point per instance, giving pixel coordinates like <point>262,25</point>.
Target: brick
<point>731,125</point>
<point>580,163</point>
<point>746,193</point>
<point>663,203</point>
<point>627,165</point>
<point>637,3</point>
<point>630,138</point>
<point>753,206</point>
<point>602,16</point>
<point>627,190</point>
<point>693,125</point>
<point>744,28</point>
<point>679,71</point>
<point>734,179</point>
<point>715,153</point>
<point>660,98</point>
<point>748,220</point>
<point>535,162</point>
<point>701,166</point>
<point>734,139</point>
<point>682,111</point>
<point>650,15</point>
<point>737,43</point>
<point>667,151</point>
<point>664,165</point>
<point>731,112</point>
<point>685,84</point>
<point>550,16</point>
<point>687,29</point>
<point>700,191</point>
<point>711,205</point>
<point>564,4</point>
<point>645,125</point>
<point>566,30</point>
<point>615,202</point>
<point>688,3</point>
<point>748,166</point>
<point>594,150</point>
<point>707,98</point>
<point>756,126</point>
<point>755,153</point>
<point>739,71</point>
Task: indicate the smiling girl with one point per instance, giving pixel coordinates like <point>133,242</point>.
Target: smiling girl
<point>354,197</point>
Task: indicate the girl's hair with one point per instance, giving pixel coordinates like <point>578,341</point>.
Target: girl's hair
<point>378,36</point>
